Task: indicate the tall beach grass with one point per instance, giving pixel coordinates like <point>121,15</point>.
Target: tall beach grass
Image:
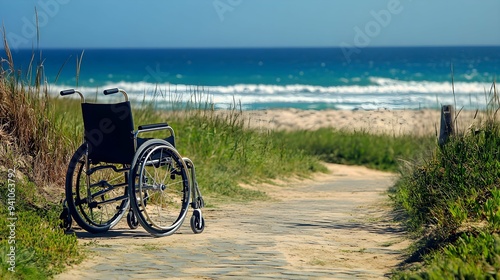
<point>33,155</point>
<point>451,204</point>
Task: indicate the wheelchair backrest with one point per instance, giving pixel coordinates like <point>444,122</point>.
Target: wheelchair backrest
<point>109,132</point>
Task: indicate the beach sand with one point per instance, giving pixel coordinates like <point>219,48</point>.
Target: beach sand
<point>393,122</point>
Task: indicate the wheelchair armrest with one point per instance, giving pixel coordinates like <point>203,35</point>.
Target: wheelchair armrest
<point>151,127</point>
<point>155,127</point>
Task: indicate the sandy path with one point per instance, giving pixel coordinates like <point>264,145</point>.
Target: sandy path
<point>334,226</point>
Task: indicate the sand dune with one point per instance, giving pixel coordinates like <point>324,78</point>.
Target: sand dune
<point>395,122</point>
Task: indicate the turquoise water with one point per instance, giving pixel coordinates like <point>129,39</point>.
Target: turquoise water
<point>393,78</point>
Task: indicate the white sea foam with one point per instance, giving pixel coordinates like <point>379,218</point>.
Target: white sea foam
<point>380,93</point>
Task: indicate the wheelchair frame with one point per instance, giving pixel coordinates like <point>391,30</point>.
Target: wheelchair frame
<point>144,177</point>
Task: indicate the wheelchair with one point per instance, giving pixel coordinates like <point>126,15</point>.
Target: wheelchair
<point>116,173</point>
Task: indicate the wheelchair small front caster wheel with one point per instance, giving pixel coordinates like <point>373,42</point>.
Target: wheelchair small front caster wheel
<point>132,220</point>
<point>66,223</point>
<point>65,217</point>
<point>197,221</point>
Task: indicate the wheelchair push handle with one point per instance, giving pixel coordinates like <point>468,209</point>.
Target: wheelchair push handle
<point>67,92</point>
<point>111,91</point>
<point>72,91</point>
<point>116,90</point>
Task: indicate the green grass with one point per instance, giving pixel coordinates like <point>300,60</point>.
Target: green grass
<point>30,144</point>
<point>454,184</point>
<point>469,257</point>
<point>451,205</point>
<point>32,237</point>
<point>383,152</point>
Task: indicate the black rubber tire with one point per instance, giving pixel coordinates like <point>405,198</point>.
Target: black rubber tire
<point>197,222</point>
<point>106,216</point>
<point>66,220</point>
<point>132,220</point>
<point>160,201</point>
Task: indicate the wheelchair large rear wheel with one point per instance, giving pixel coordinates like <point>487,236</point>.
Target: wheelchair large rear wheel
<point>96,194</point>
<point>159,188</point>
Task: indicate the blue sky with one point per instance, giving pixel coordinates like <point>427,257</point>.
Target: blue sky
<point>251,23</point>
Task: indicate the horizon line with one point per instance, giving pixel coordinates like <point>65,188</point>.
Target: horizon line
<point>253,47</point>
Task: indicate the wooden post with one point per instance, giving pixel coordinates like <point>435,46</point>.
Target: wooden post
<point>447,128</point>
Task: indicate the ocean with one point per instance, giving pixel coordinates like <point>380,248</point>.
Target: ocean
<point>303,78</point>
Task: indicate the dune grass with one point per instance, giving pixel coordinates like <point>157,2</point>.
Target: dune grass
<point>383,151</point>
<point>451,205</point>
<point>33,155</point>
